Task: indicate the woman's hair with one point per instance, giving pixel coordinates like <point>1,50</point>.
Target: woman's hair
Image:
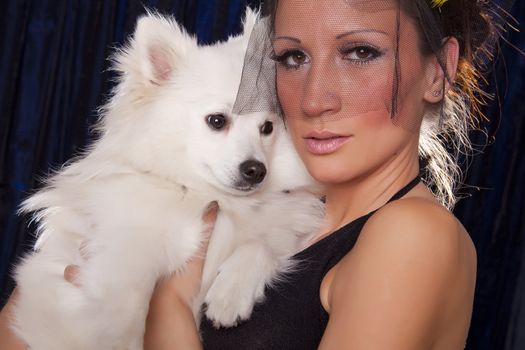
<point>444,135</point>
<point>443,143</point>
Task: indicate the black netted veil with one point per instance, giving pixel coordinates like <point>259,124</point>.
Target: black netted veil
<point>257,91</point>
<point>369,89</point>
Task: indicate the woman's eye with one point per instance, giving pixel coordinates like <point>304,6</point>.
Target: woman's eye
<point>297,57</point>
<point>267,128</point>
<point>291,58</point>
<point>363,53</point>
<point>217,121</point>
<point>360,54</point>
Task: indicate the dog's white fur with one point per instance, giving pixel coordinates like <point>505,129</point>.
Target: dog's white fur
<point>134,202</point>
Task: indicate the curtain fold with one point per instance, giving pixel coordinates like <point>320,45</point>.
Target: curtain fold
<point>493,212</point>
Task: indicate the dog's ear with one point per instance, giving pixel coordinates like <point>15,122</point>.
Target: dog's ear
<point>157,48</point>
<point>250,18</point>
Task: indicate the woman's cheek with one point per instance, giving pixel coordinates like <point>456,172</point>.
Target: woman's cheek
<point>289,98</point>
<point>293,127</point>
<point>290,104</point>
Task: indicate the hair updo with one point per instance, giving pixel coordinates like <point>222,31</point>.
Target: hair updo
<point>444,135</point>
<point>443,143</point>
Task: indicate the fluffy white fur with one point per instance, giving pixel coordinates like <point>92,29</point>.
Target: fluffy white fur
<point>136,200</point>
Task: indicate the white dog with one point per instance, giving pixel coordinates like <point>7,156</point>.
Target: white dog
<point>169,146</point>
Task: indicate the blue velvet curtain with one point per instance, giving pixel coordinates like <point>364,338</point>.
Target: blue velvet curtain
<point>53,75</point>
<point>493,212</point>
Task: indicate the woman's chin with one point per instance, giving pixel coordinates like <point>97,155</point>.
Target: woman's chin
<point>330,175</point>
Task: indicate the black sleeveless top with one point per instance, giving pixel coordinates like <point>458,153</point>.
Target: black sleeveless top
<point>291,317</point>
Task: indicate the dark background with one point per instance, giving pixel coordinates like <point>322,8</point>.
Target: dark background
<point>54,74</point>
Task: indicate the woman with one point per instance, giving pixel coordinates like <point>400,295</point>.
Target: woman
<point>362,86</point>
<point>365,87</point>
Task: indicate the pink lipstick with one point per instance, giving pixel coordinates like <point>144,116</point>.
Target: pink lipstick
<point>324,142</point>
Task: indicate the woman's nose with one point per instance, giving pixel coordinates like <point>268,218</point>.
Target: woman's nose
<point>320,92</point>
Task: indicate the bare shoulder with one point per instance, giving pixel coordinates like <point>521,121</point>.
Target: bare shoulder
<point>410,277</point>
<point>416,220</point>
<point>419,230</point>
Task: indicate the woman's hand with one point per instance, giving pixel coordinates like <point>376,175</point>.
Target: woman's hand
<point>183,286</point>
<point>9,341</point>
<point>186,285</point>
<point>170,323</point>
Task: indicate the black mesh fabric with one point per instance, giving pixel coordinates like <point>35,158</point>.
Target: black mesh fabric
<point>372,86</point>
<point>257,88</point>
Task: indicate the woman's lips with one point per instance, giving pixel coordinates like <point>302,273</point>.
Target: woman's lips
<point>324,142</point>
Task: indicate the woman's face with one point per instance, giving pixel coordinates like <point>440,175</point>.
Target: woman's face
<point>335,80</point>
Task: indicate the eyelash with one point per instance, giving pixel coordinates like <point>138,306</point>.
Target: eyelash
<point>287,54</point>
<point>343,50</point>
<point>372,51</point>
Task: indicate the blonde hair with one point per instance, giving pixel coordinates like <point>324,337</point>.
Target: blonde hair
<point>442,172</point>
<point>444,136</point>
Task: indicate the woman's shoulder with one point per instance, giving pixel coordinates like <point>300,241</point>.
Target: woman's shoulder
<point>412,268</point>
<point>413,240</point>
<point>416,214</point>
<point>415,227</point>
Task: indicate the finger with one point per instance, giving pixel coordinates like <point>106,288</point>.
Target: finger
<point>71,273</point>
<point>210,213</point>
<point>209,217</point>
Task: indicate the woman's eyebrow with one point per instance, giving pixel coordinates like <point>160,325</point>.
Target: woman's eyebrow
<point>287,38</point>
<point>351,32</point>
<point>339,36</point>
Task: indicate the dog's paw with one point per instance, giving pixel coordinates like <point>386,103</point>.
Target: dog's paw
<point>231,298</point>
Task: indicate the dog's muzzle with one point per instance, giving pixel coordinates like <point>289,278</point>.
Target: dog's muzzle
<point>253,172</point>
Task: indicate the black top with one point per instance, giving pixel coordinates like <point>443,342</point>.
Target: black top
<point>291,315</point>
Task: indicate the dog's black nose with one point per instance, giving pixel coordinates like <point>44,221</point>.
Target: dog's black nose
<point>253,171</point>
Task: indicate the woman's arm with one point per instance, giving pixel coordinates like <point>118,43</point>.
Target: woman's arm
<point>8,337</point>
<point>170,324</point>
<point>407,284</point>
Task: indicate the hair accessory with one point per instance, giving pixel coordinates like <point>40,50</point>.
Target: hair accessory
<point>438,3</point>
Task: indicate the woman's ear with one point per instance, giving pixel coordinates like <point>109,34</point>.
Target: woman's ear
<point>438,82</point>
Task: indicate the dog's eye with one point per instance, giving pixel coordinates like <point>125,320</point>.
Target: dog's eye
<point>267,128</point>
<point>217,121</point>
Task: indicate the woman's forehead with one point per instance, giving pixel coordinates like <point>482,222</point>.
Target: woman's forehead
<point>371,5</point>
<point>360,5</point>
<point>336,15</point>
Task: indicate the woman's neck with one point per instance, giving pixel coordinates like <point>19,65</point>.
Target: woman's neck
<point>352,199</point>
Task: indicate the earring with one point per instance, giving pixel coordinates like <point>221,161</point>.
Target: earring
<point>436,93</point>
